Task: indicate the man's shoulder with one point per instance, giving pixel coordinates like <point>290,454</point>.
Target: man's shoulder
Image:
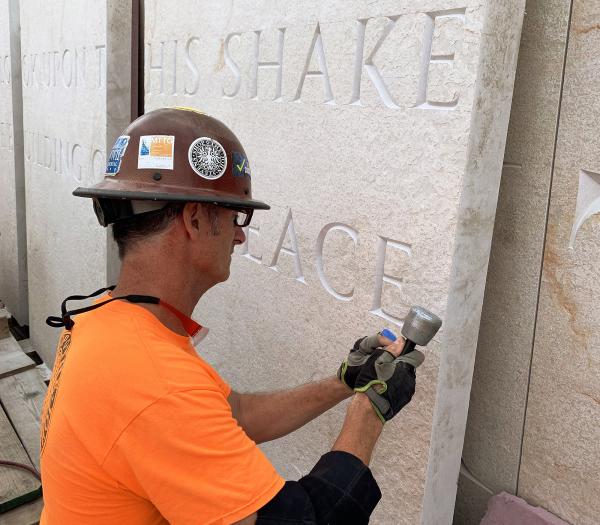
<point>129,352</point>
<point>115,369</point>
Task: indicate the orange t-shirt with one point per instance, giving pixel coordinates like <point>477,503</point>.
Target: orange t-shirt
<point>136,429</point>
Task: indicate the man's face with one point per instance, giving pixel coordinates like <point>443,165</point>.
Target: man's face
<point>219,237</point>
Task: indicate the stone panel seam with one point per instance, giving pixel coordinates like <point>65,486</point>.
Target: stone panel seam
<point>14,16</point>
<point>140,33</point>
<point>537,307</point>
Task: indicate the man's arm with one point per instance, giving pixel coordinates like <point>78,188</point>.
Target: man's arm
<point>361,430</point>
<point>358,437</point>
<point>270,415</point>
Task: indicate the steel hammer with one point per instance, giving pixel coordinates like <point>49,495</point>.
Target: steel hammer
<point>420,325</point>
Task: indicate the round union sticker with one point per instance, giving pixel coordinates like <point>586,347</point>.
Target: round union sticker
<point>207,158</point>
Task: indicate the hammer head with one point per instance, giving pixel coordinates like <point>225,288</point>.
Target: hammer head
<point>420,325</point>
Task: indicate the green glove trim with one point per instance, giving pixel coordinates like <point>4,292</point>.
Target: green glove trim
<point>342,373</point>
<point>375,402</point>
<point>374,383</point>
<point>389,381</point>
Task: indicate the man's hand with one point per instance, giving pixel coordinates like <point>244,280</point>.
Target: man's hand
<point>388,379</point>
<point>359,354</point>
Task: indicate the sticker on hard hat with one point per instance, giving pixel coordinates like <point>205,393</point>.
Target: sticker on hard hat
<point>156,152</point>
<point>116,154</point>
<point>240,166</point>
<point>207,158</point>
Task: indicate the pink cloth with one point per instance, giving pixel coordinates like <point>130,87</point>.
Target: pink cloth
<point>506,509</point>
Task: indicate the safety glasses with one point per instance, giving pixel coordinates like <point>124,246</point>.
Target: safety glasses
<point>242,216</point>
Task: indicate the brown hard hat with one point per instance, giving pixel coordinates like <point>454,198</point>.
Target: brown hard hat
<point>175,154</point>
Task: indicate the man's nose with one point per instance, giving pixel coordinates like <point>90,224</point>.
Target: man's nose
<point>240,235</point>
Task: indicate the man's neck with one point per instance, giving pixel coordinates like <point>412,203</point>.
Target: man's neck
<point>140,277</point>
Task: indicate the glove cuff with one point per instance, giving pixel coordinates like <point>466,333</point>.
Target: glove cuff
<point>380,405</point>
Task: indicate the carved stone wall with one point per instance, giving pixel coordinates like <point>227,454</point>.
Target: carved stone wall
<point>376,132</point>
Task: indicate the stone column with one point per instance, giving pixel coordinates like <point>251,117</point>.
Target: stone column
<point>561,444</point>
<point>74,106</point>
<point>13,240</point>
<point>492,449</point>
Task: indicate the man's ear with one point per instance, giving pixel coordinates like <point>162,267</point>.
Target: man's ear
<point>192,218</point>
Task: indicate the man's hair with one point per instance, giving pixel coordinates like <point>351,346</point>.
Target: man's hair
<point>128,232</point>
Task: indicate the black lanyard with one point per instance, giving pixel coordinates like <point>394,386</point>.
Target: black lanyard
<point>65,319</point>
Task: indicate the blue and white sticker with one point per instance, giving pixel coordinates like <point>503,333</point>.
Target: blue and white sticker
<point>240,167</point>
<point>114,159</point>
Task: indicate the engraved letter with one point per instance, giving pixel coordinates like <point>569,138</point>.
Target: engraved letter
<point>48,55</point>
<point>55,66</point>
<point>81,70</point>
<point>77,173</point>
<point>316,44</point>
<point>588,201</point>
<point>370,68</point>
<point>245,248</point>
<point>28,144</point>
<point>6,64</point>
<point>101,64</point>
<point>288,229</point>
<point>47,152</point>
<point>159,67</point>
<point>427,59</point>
<point>278,64</point>
<point>233,66</point>
<point>174,92</point>
<point>193,68</point>
<point>25,69</point>
<point>36,148</point>
<point>98,165</point>
<point>353,234</point>
<point>381,277</point>
<point>67,55</point>
<point>35,70</point>
<point>63,159</point>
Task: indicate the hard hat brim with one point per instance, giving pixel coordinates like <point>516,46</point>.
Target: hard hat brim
<point>113,189</point>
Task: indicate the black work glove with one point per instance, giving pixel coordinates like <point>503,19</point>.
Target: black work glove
<point>359,354</point>
<point>389,381</point>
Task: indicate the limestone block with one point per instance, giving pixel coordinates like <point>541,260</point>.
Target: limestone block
<point>561,446</point>
<point>376,131</point>
<point>492,448</point>
<point>13,242</point>
<point>66,47</point>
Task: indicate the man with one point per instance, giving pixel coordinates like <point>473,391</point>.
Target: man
<point>137,428</point>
